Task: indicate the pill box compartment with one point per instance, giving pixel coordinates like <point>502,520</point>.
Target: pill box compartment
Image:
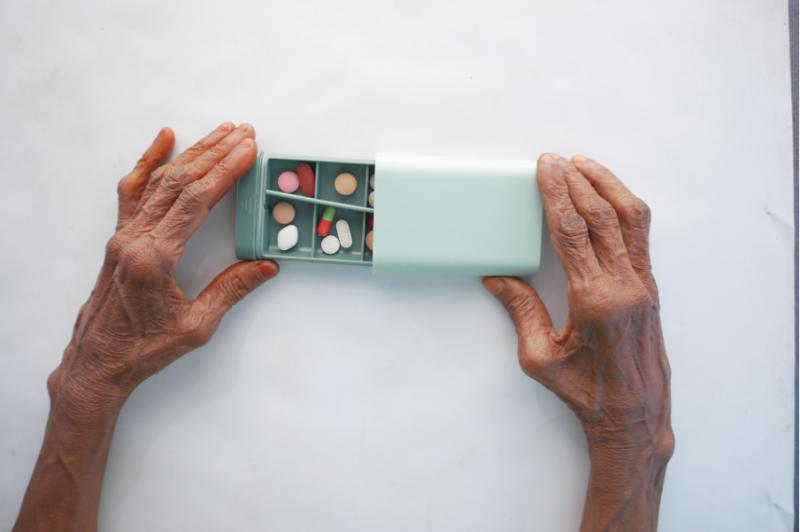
<point>303,219</point>
<point>356,222</point>
<point>308,210</point>
<point>326,176</point>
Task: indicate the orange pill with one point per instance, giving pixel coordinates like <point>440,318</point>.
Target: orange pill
<point>283,212</point>
<point>368,240</point>
<point>345,184</point>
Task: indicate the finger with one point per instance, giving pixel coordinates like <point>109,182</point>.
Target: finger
<point>177,177</point>
<point>232,285</point>
<point>131,187</point>
<point>195,202</point>
<point>632,212</point>
<point>568,230</point>
<point>601,219</point>
<point>531,319</point>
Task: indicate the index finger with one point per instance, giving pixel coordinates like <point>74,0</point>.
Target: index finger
<point>196,200</point>
<point>568,230</point>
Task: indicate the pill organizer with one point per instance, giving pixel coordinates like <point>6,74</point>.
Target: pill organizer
<point>431,215</point>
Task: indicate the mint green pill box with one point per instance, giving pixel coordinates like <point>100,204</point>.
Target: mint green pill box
<point>431,215</point>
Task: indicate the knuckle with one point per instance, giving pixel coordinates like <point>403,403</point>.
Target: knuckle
<point>115,246</point>
<point>638,213</point>
<point>125,186</point>
<point>570,228</point>
<point>235,288</point>
<point>223,166</point>
<point>520,306</point>
<point>218,151</point>
<point>666,446</point>
<point>529,364</point>
<point>200,335</point>
<point>138,261</point>
<point>175,178</point>
<point>194,195</point>
<point>633,301</point>
<point>602,214</point>
<point>54,382</point>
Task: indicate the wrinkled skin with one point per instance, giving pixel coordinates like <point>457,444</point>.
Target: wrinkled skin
<point>608,363</point>
<point>137,320</point>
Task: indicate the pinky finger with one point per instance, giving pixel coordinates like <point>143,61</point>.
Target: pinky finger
<point>131,186</point>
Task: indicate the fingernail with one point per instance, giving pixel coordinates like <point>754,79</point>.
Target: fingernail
<point>161,132</point>
<point>579,158</point>
<point>226,126</point>
<point>245,127</point>
<point>246,144</point>
<point>268,269</point>
<point>549,158</point>
<point>494,285</point>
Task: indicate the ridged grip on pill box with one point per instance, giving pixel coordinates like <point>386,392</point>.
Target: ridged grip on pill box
<point>432,215</point>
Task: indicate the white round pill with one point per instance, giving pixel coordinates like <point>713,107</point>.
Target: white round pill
<point>372,181</point>
<point>287,238</point>
<point>343,232</point>
<point>371,199</point>
<point>330,245</point>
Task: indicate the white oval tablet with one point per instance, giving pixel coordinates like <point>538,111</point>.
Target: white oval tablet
<point>371,199</point>
<point>330,245</point>
<point>287,238</point>
<point>343,232</point>
<point>372,181</point>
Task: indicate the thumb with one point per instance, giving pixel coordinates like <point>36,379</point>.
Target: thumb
<point>523,304</point>
<point>233,284</point>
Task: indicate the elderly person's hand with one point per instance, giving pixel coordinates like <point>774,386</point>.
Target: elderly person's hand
<point>136,320</point>
<point>608,363</point>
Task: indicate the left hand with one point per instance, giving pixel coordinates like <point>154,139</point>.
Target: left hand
<point>137,320</point>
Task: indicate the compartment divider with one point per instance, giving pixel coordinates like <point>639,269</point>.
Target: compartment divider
<point>361,244</point>
<point>298,197</point>
<point>316,180</point>
<point>316,210</point>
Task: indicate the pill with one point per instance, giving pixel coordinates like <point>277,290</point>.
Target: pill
<point>345,184</point>
<point>372,181</point>
<point>287,238</point>
<point>343,232</point>
<point>329,245</point>
<point>288,181</point>
<point>305,174</point>
<point>324,225</point>
<point>371,199</point>
<point>283,212</point>
<point>368,240</point>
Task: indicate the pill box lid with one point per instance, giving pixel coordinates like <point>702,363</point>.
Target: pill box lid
<point>454,216</point>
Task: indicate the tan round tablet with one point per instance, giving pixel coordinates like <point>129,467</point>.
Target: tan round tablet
<point>283,212</point>
<point>345,184</point>
<point>368,240</point>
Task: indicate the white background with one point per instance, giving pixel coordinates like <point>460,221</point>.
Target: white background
<point>331,400</point>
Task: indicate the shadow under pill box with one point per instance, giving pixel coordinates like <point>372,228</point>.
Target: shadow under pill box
<point>396,214</point>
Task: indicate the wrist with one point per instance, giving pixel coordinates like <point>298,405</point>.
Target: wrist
<point>652,439</point>
<point>81,401</point>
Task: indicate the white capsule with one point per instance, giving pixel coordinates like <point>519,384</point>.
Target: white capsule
<point>372,181</point>
<point>287,238</point>
<point>371,199</point>
<point>343,232</point>
<point>330,245</point>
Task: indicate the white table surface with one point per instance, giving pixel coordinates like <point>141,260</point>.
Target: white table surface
<point>331,400</point>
